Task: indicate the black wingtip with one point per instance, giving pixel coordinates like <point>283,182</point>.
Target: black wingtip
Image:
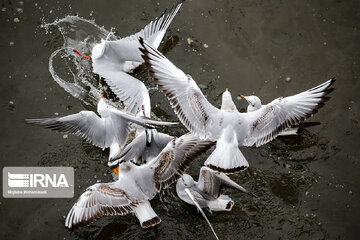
<point>333,79</point>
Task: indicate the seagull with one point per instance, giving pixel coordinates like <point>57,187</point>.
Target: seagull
<point>255,104</point>
<point>205,193</point>
<point>110,130</point>
<point>112,60</point>
<point>137,185</point>
<point>227,125</point>
<point>207,190</point>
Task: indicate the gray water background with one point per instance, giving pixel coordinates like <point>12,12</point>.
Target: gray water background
<point>308,185</point>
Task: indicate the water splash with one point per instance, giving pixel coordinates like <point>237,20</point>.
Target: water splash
<point>72,72</point>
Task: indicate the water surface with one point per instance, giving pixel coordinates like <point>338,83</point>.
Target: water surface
<point>307,185</point>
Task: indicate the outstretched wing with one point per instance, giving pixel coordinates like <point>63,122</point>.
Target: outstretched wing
<point>154,32</point>
<point>101,199</point>
<point>124,54</point>
<point>85,124</point>
<point>142,121</point>
<point>176,157</point>
<point>189,103</point>
<point>266,123</point>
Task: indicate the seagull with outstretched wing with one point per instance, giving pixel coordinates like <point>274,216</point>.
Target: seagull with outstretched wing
<point>112,60</point>
<point>254,103</point>
<point>227,125</point>
<point>207,190</point>
<point>137,185</point>
<point>110,130</point>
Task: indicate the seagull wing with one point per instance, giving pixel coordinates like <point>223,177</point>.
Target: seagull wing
<point>189,103</point>
<point>101,199</point>
<point>132,92</point>
<point>154,32</point>
<point>211,182</point>
<point>142,121</point>
<point>85,124</point>
<point>133,151</point>
<point>162,139</point>
<point>265,124</point>
<point>175,158</point>
<point>124,54</point>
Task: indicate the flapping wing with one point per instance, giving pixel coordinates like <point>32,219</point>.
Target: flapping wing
<point>266,123</point>
<point>101,199</point>
<point>142,121</point>
<point>130,91</point>
<point>189,103</point>
<point>154,32</point>
<point>124,54</point>
<point>85,124</point>
<point>176,157</point>
<point>211,182</point>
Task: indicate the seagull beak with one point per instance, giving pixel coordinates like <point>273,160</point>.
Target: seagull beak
<point>242,96</point>
<point>116,170</point>
<point>102,95</point>
<point>226,89</point>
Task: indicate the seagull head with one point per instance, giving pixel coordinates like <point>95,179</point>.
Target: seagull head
<point>102,107</point>
<point>253,101</point>
<point>98,50</point>
<point>227,102</point>
<point>187,181</point>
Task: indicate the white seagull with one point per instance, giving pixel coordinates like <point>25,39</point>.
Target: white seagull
<point>137,185</point>
<point>110,130</point>
<point>207,190</point>
<point>255,104</point>
<point>113,59</point>
<point>227,125</point>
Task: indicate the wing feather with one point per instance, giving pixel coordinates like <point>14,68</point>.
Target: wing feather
<point>185,97</point>
<point>176,157</point>
<point>101,199</point>
<point>85,124</point>
<point>132,92</point>
<point>268,122</point>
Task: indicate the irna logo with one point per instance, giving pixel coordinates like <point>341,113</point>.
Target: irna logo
<point>36,180</point>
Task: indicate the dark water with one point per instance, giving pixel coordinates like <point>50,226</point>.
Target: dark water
<point>308,185</point>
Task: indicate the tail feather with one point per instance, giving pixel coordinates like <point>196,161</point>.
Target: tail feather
<point>222,203</point>
<point>146,215</point>
<point>227,157</point>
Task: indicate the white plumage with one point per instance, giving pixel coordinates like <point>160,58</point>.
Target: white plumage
<point>227,125</point>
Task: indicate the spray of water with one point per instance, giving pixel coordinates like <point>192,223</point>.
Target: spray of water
<point>72,72</point>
